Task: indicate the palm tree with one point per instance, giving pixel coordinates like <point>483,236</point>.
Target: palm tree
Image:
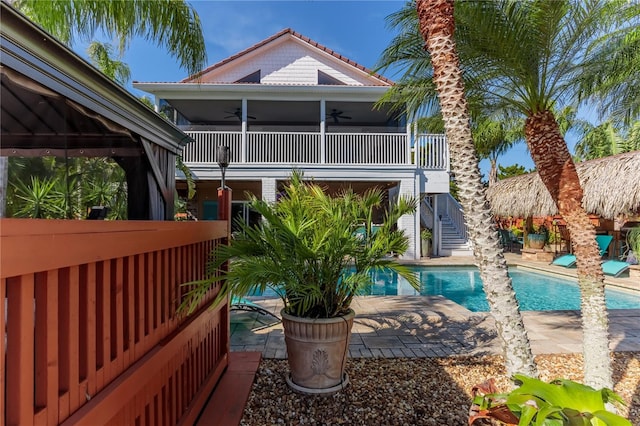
<point>611,76</point>
<point>101,55</point>
<point>607,139</point>
<point>437,28</point>
<point>493,138</point>
<point>526,57</point>
<point>173,24</point>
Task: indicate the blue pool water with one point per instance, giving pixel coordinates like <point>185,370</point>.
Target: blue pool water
<point>535,292</point>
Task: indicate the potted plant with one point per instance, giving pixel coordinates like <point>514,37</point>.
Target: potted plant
<point>316,252</point>
<point>537,237</point>
<point>425,241</point>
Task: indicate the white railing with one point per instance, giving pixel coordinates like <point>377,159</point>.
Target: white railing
<point>309,148</point>
<point>366,148</point>
<point>448,206</point>
<point>432,152</point>
<point>426,211</point>
<point>204,149</point>
<point>283,147</point>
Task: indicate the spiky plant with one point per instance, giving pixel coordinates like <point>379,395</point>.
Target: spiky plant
<point>315,250</point>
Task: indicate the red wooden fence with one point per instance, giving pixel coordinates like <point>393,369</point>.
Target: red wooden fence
<point>92,335</point>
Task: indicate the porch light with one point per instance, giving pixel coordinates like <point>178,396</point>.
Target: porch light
<point>223,161</point>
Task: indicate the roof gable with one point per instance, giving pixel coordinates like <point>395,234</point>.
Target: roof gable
<point>288,58</point>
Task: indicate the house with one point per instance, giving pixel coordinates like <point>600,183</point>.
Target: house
<point>288,102</point>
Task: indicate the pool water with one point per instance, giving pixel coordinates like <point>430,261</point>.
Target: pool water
<point>535,292</point>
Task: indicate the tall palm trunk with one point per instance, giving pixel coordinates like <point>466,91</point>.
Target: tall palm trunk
<point>437,27</point>
<point>493,171</point>
<point>558,173</point>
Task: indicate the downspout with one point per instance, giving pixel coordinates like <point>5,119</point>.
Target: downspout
<point>243,149</point>
<point>323,145</point>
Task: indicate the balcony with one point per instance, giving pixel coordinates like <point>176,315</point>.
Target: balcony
<point>306,148</point>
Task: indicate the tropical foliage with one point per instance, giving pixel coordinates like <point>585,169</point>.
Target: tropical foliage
<point>102,56</point>
<point>314,250</point>
<point>505,172</point>
<point>611,72</point>
<point>172,24</point>
<point>534,402</point>
<point>53,188</point>
<point>607,139</point>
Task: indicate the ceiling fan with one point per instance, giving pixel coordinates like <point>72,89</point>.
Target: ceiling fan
<point>337,115</point>
<point>238,114</point>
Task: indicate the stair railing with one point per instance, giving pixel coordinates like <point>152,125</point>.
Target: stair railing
<point>426,211</point>
<point>449,207</point>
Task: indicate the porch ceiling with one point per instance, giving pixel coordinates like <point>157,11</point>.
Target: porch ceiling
<point>199,111</point>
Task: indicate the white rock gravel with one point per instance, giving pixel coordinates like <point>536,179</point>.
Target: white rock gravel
<point>402,391</point>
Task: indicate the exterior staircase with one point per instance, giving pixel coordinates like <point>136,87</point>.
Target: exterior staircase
<point>451,236</point>
<point>451,242</point>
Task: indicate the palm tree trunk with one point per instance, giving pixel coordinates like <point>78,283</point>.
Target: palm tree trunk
<point>558,173</point>
<point>493,171</point>
<point>437,27</point>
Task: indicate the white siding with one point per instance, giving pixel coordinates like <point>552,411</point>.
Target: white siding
<point>288,62</point>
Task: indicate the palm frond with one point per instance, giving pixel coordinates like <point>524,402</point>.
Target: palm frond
<point>172,24</point>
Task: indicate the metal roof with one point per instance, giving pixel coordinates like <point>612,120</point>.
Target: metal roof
<point>51,99</point>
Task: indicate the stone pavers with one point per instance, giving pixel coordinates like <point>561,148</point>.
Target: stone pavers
<point>418,326</point>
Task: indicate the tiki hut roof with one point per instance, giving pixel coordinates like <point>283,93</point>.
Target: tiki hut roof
<point>611,188</point>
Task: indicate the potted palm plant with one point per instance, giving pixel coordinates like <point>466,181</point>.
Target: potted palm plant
<point>425,241</point>
<point>316,252</point>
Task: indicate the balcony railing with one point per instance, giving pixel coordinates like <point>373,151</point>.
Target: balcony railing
<point>90,329</point>
<point>309,148</point>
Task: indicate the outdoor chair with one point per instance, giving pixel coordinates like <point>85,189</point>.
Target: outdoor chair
<point>614,268</point>
<point>569,260</point>
<point>507,239</point>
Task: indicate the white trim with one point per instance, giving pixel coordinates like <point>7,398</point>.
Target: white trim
<point>211,91</point>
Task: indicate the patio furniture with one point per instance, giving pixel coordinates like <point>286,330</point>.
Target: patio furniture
<point>569,260</point>
<point>614,268</point>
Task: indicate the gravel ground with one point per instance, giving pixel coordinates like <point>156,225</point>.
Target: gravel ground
<point>427,391</point>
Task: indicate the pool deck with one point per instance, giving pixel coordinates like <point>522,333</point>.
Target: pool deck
<point>419,326</point>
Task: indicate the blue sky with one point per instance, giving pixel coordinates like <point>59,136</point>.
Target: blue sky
<point>355,29</point>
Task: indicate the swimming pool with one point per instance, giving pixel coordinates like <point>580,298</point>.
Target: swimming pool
<point>534,291</point>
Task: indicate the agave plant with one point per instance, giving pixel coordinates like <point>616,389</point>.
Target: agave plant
<point>316,251</point>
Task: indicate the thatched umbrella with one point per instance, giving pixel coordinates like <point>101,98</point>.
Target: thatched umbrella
<point>611,188</point>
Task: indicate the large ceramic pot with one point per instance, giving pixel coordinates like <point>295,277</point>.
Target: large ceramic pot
<point>536,241</point>
<point>317,350</point>
<point>424,248</point>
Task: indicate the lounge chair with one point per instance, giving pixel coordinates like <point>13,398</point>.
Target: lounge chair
<point>242,304</point>
<point>566,260</point>
<point>614,267</point>
<point>569,260</point>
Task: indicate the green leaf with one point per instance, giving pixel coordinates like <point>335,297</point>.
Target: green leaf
<point>611,419</point>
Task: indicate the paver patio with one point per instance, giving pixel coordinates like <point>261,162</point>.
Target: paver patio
<point>418,326</point>
<point>431,326</point>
